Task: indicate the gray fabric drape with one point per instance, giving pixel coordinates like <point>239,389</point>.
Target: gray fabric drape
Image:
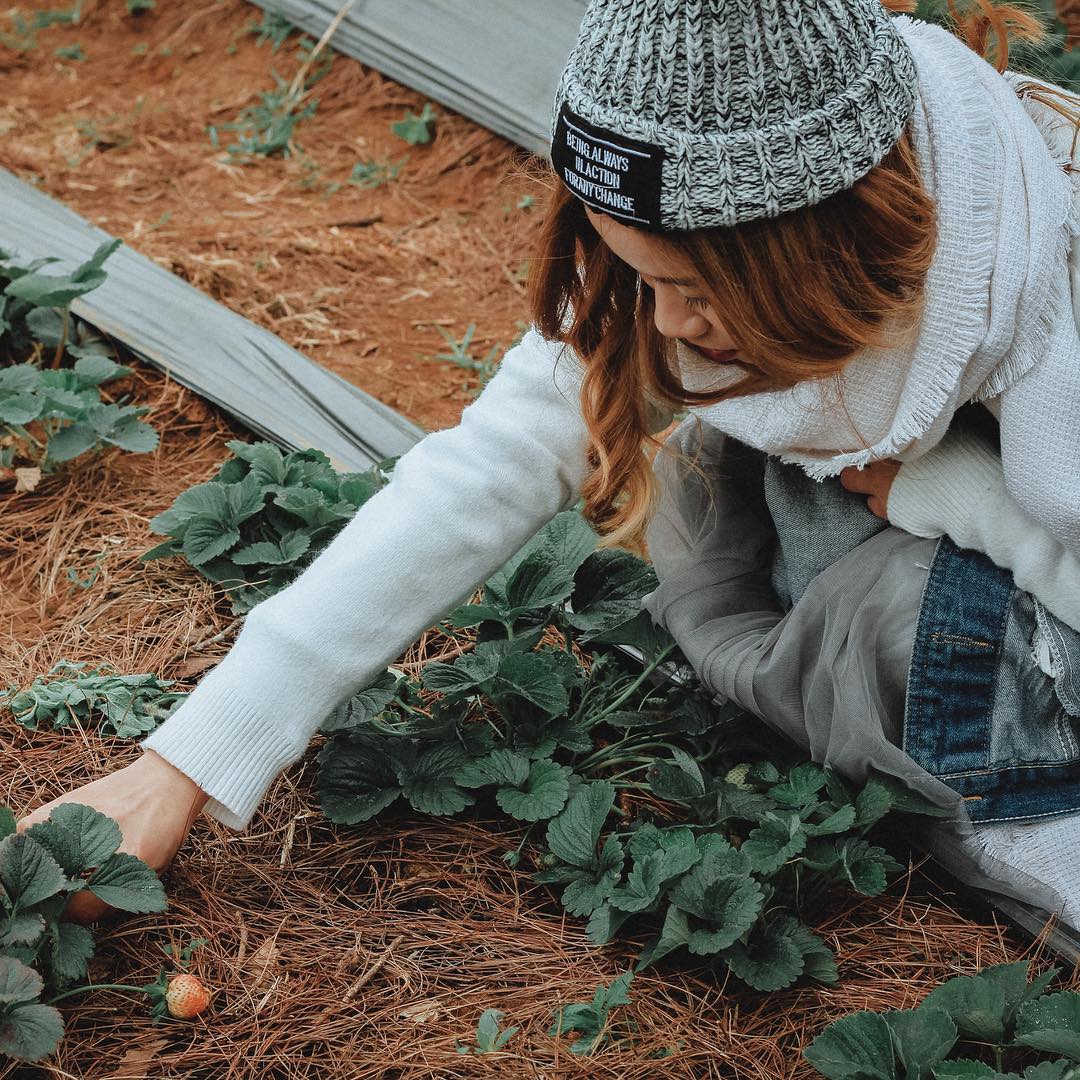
<point>831,673</point>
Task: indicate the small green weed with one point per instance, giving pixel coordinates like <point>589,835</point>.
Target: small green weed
<point>590,1019</point>
<point>459,354</point>
<point>70,52</point>
<point>137,7</point>
<point>22,37</point>
<point>489,1038</point>
<point>416,129</point>
<point>274,28</point>
<point>373,174</point>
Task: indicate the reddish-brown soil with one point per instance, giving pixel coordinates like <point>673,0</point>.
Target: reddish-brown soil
<point>362,953</point>
<point>359,280</point>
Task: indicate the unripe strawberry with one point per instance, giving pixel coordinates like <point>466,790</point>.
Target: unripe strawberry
<point>186,997</point>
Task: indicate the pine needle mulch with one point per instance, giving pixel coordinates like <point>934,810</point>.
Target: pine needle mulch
<point>370,951</point>
<point>333,952</point>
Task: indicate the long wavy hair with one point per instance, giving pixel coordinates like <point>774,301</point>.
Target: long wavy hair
<point>800,294</point>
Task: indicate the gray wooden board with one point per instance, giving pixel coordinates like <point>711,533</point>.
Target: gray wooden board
<point>494,61</point>
<point>251,373</point>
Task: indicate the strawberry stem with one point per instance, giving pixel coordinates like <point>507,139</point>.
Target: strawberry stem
<point>97,986</point>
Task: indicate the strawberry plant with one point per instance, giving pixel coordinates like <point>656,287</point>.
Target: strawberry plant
<point>52,368</point>
<point>416,128</point>
<point>129,706</point>
<point>489,1038</point>
<point>263,518</point>
<point>41,953</point>
<point>751,839</point>
<point>747,845</point>
<point>590,1019</point>
<point>995,1013</point>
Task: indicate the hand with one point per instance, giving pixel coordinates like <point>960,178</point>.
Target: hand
<point>875,480</point>
<point>154,804</point>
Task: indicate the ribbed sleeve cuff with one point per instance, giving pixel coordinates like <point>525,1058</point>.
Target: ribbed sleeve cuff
<point>938,493</point>
<point>224,745</point>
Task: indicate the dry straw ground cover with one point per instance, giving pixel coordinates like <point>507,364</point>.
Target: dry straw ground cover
<point>334,951</point>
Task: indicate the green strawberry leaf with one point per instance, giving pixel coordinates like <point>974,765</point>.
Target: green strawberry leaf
<point>541,795</point>
<point>780,836</point>
<point>855,1047</point>
<point>1051,1023</point>
<point>28,872</point>
<point>771,962</point>
<point>22,929</point>
<point>78,837</point>
<point>31,1032</point>
<point>127,883</point>
<point>922,1038</point>
<point>356,778</point>
<point>574,834</point>
<point>585,895</point>
<point>18,982</point>
<point>72,946</point>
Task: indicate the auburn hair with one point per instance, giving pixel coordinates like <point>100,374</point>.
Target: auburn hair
<point>800,294</point>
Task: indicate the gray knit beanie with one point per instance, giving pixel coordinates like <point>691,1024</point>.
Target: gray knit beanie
<point>685,114</point>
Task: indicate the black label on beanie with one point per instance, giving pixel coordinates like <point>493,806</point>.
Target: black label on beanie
<point>609,172</point>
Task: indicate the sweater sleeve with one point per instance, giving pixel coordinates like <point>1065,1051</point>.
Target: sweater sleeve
<point>1040,439</point>
<point>459,504</point>
<point>959,489</point>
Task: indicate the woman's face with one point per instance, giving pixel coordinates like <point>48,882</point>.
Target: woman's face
<point>680,310</point>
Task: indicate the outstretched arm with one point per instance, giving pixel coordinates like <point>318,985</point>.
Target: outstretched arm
<point>459,504</point>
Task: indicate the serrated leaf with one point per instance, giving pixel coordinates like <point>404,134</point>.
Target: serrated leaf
<point>31,1032</point>
<point>546,575</point>
<point>206,538</point>
<point>95,368</point>
<point>607,592</point>
<point>77,836</point>
<point>356,778</point>
<point>730,907</point>
<point>922,1038</point>
<point>771,962</point>
<point>574,834</point>
<point>541,795</point>
<point>7,821</point>
<point>464,675</point>
<point>802,784</point>
<point>866,866</point>
<point>133,435</point>
<point>71,441</point>
<point>837,822</point>
<point>21,929</point>
<point>583,896</point>
<point>604,922</point>
<point>673,935</point>
<point>778,838</point>
<point>536,677</point>
<point>1051,1023</point>
<point>72,946</point>
<point>18,982</point>
<point>965,1069</point>
<point>975,1005</point>
<point>855,1047</point>
<point>872,803</point>
<point>127,883</point>
<point>265,552</point>
<point>28,872</point>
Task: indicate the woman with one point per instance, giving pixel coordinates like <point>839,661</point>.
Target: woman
<point>786,216</point>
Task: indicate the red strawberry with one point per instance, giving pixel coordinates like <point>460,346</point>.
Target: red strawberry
<point>186,997</point>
